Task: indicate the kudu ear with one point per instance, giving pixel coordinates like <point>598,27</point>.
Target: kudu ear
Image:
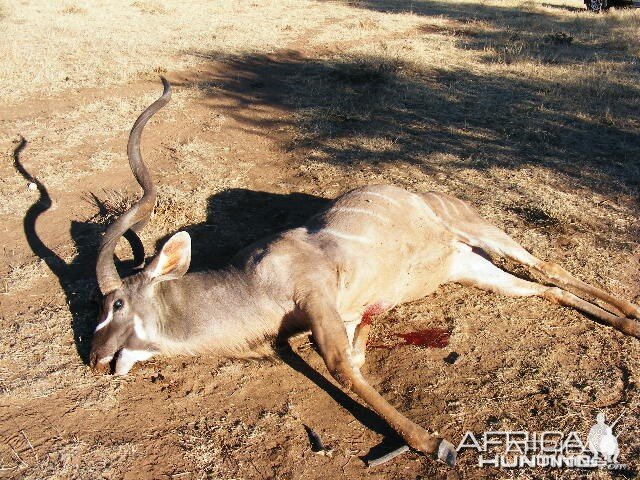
<point>173,260</point>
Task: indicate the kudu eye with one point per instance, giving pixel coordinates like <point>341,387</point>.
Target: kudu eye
<point>118,304</point>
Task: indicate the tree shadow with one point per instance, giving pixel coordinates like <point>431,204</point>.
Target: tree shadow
<point>505,34</point>
<point>372,110</point>
<point>437,8</point>
<point>567,8</point>
<point>465,11</point>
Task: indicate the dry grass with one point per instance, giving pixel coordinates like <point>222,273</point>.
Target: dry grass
<point>22,277</point>
<point>92,43</point>
<point>526,109</point>
<point>211,443</point>
<point>77,459</point>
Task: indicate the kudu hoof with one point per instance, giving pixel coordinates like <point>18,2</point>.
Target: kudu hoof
<point>447,453</point>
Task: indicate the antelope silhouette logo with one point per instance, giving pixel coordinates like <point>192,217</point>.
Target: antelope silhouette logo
<point>601,440</point>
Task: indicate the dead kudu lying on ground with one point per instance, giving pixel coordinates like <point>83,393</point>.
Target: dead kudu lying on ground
<point>373,248</point>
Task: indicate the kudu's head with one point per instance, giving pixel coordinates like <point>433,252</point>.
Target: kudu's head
<point>128,318</point>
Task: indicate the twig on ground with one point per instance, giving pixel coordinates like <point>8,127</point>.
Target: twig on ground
<point>18,457</point>
<point>389,456</point>
<point>33,450</point>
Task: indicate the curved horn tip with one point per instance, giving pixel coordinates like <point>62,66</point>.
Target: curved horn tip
<point>166,85</point>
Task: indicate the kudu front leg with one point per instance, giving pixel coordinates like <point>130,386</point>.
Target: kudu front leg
<point>332,340</point>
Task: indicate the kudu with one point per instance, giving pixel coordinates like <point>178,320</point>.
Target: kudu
<point>373,248</point>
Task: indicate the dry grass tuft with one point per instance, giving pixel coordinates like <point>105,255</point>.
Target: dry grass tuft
<point>78,459</point>
<point>152,8</point>
<point>102,160</point>
<point>211,443</point>
<point>74,9</point>
<point>112,204</point>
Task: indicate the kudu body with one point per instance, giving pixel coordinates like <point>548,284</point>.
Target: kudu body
<point>373,248</point>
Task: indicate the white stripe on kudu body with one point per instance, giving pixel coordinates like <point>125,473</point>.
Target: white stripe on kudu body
<point>442,203</point>
<point>362,211</point>
<point>346,236</point>
<point>298,281</point>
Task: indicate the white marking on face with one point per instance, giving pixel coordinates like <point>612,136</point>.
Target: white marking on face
<point>128,358</point>
<point>346,236</point>
<point>386,197</point>
<point>363,212</point>
<point>138,328</point>
<point>105,322</point>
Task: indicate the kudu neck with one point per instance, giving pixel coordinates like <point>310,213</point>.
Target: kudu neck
<point>219,312</point>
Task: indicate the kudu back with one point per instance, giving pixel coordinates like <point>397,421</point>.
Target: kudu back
<point>371,249</point>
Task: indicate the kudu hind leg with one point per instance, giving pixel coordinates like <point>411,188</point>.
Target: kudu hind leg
<point>503,245</point>
<point>332,340</point>
<point>470,268</point>
<point>561,277</point>
<point>473,230</point>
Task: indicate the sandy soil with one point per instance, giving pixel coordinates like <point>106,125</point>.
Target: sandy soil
<point>276,110</point>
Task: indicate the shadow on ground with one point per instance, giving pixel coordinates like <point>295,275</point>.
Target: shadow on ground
<point>72,276</point>
<point>507,34</point>
<point>466,11</point>
<point>238,217</point>
<point>372,110</point>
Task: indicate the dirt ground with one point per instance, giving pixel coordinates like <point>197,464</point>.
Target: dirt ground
<point>527,110</point>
